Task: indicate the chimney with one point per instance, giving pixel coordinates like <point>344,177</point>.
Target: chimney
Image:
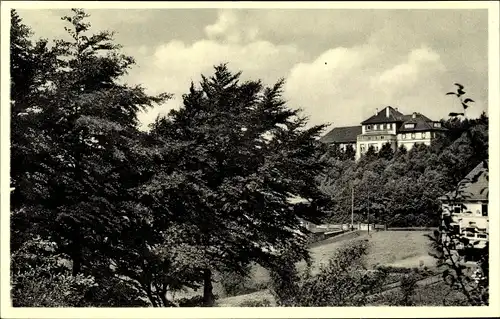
<point>414,115</point>
<point>387,112</point>
<point>397,109</point>
<point>376,111</point>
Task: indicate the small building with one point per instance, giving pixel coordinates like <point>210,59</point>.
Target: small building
<point>343,136</point>
<point>468,206</point>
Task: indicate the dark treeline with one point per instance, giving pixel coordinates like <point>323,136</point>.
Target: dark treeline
<point>402,188</point>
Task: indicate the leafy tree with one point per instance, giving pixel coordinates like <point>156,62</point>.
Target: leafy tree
<point>450,247</point>
<point>386,152</point>
<point>83,147</point>
<point>349,153</point>
<point>247,155</point>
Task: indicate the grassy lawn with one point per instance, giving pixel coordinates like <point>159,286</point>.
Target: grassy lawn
<point>389,248</point>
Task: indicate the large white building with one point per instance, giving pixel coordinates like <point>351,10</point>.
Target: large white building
<point>386,126</point>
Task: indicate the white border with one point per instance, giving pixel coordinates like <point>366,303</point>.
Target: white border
<point>367,312</point>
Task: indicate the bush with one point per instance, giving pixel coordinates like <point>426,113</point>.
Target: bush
<point>42,278</point>
<point>344,281</point>
<point>237,283</point>
<point>196,301</point>
<point>255,303</point>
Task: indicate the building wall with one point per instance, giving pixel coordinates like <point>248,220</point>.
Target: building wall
<point>389,128</point>
<point>470,215</point>
<point>343,146</point>
<point>409,140</point>
<point>375,140</point>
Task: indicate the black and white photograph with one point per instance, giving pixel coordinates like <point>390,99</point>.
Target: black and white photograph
<point>241,155</point>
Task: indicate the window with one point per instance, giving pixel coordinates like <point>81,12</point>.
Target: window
<point>482,236</point>
<point>412,136</point>
<point>484,209</point>
<point>409,125</point>
<point>469,234</point>
<point>457,210</point>
<point>362,148</point>
<point>368,127</point>
<point>404,136</point>
<point>376,148</point>
<point>424,135</point>
<point>437,124</point>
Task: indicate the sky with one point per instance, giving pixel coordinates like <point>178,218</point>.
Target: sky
<point>339,65</point>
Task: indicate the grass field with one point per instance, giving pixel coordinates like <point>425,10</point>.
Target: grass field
<point>389,248</point>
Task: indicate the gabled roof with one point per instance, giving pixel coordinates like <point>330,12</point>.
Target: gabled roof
<point>473,187</point>
<point>422,123</point>
<point>381,117</point>
<point>345,134</point>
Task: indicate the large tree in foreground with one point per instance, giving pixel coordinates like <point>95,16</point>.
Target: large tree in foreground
<point>77,152</point>
<point>245,156</point>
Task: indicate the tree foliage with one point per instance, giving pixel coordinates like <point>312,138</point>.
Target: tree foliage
<point>145,214</point>
<point>403,189</point>
<point>246,154</point>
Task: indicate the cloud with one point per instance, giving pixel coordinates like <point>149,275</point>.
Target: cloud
<point>339,64</point>
<point>228,28</point>
<point>172,66</point>
<point>345,85</point>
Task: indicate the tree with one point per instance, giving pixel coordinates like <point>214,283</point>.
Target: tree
<point>349,153</point>
<point>386,151</point>
<point>247,154</point>
<point>83,148</point>
<point>446,241</point>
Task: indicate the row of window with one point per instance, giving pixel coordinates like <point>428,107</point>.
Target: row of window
<point>385,126</point>
<point>405,136</point>
<point>423,135</point>
<point>374,138</point>
<point>363,148</point>
<point>390,126</point>
<point>484,210</point>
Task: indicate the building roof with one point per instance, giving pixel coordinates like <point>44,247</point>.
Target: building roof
<point>346,134</point>
<point>473,187</point>
<point>381,116</point>
<point>422,123</point>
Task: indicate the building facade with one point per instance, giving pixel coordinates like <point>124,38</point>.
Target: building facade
<point>386,126</point>
<point>468,206</point>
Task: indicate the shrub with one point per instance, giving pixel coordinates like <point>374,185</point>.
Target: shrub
<point>344,281</point>
<point>196,301</point>
<point>42,278</point>
<point>255,303</point>
<point>237,283</point>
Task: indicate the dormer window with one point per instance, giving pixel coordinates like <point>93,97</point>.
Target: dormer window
<point>410,125</point>
<point>437,124</point>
